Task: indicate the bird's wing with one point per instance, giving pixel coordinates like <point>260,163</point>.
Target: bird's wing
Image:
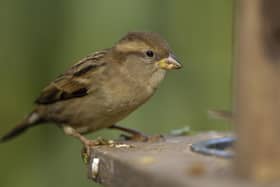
<point>75,82</point>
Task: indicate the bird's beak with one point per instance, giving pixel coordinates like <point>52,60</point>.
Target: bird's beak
<point>169,63</point>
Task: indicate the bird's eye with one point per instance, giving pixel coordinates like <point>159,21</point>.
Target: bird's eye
<point>150,53</point>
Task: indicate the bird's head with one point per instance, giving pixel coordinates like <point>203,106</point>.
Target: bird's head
<point>145,57</point>
<point>147,48</point>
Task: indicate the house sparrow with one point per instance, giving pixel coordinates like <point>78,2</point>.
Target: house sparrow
<point>103,88</point>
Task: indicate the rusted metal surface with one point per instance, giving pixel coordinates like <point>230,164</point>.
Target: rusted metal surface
<point>166,163</point>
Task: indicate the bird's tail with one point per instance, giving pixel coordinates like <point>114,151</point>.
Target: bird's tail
<point>31,120</point>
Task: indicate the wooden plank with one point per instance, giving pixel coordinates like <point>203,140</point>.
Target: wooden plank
<point>257,89</point>
<point>164,163</point>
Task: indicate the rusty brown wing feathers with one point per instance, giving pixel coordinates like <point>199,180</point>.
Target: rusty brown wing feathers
<point>69,85</point>
<point>74,82</point>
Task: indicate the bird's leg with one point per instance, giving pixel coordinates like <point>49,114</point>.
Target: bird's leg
<point>72,132</point>
<point>86,142</point>
<point>136,135</point>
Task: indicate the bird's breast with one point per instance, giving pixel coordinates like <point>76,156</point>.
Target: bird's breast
<point>123,94</point>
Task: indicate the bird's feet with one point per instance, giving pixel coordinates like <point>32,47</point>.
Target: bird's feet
<point>85,153</point>
<point>136,135</point>
<point>89,144</point>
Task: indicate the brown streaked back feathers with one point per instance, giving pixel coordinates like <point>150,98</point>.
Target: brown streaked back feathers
<point>74,82</point>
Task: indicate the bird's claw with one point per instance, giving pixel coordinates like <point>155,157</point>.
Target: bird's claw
<point>88,144</point>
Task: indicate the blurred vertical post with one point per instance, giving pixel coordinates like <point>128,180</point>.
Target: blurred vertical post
<point>257,89</point>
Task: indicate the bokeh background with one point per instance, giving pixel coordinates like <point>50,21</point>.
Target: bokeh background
<point>40,39</point>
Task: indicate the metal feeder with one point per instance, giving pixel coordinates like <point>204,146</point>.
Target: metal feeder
<point>219,147</point>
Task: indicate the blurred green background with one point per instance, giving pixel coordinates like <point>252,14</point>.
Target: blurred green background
<point>40,39</point>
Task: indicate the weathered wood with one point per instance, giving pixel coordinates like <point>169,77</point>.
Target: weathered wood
<point>168,163</point>
<point>257,89</point>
